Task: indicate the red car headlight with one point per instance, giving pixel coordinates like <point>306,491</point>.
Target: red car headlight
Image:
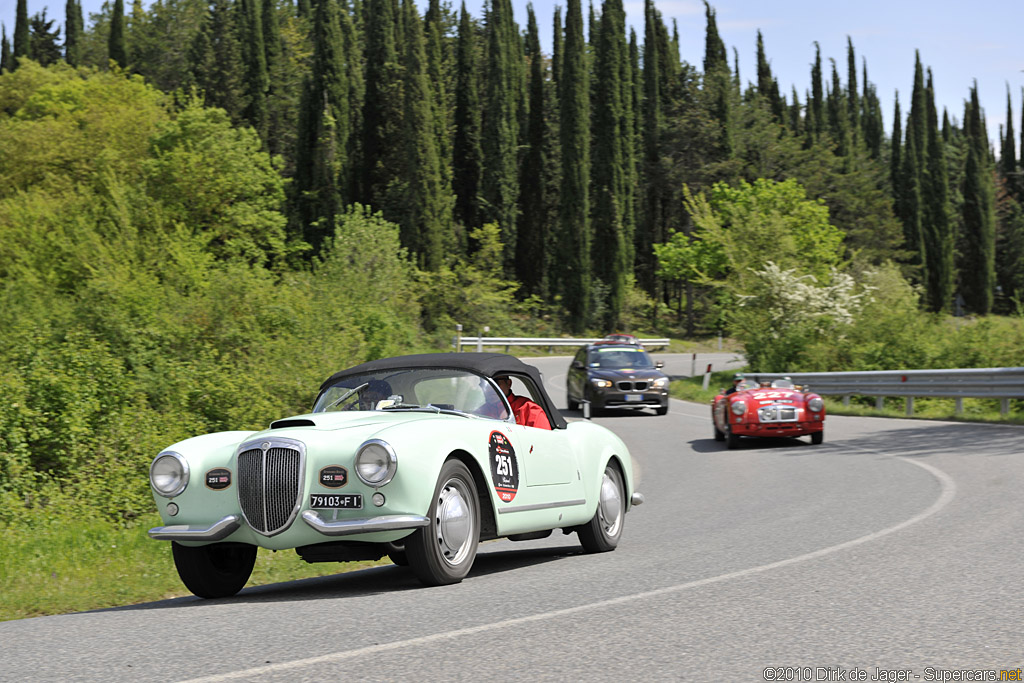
<point>738,408</point>
<point>816,404</point>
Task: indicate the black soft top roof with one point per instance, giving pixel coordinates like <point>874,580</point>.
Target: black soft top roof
<point>486,364</point>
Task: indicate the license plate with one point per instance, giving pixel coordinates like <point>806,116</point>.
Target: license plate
<point>634,397</point>
<point>336,501</point>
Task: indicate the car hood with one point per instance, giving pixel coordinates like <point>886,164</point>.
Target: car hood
<point>626,374</point>
<point>348,420</point>
<point>763,397</point>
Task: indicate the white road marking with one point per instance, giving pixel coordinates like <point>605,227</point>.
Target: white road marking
<point>946,495</point>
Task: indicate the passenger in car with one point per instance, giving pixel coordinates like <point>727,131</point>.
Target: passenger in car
<point>526,411</point>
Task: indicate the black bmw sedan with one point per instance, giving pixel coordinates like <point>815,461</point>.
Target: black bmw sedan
<point>616,376</point>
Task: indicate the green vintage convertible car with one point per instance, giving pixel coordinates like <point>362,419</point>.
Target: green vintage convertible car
<point>416,457</point>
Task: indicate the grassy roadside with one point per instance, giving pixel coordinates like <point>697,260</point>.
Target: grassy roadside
<point>67,567</point>
<point>975,410</point>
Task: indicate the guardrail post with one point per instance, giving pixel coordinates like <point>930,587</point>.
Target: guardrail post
<point>846,400</point>
<point>959,406</point>
<point>879,402</point>
<point>910,406</point>
<point>1004,406</point>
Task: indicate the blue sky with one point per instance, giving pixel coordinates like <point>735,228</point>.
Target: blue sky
<point>961,42</point>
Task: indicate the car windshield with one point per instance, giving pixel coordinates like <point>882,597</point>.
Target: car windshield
<point>432,389</point>
<point>618,357</point>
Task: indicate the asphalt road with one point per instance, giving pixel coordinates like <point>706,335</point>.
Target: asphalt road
<point>894,546</point>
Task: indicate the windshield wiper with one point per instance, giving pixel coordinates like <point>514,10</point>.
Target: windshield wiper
<point>346,395</point>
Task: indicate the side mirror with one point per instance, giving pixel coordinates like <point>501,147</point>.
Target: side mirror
<point>659,364</point>
<point>577,365</point>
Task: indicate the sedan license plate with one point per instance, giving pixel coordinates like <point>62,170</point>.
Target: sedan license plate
<point>336,501</point>
<point>634,397</point>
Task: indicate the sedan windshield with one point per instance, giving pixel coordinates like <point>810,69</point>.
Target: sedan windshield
<point>431,389</point>
<point>617,357</point>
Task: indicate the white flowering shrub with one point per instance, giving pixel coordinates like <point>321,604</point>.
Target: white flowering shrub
<point>788,312</point>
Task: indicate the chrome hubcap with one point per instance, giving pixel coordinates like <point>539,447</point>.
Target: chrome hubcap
<point>610,506</point>
<point>454,522</point>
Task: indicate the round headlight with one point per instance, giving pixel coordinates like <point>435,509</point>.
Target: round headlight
<point>738,407</point>
<point>376,463</point>
<point>168,475</point>
<point>816,404</point>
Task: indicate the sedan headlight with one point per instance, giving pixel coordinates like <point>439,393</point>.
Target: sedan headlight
<point>738,408</point>
<point>661,382</point>
<point>816,404</point>
<point>601,383</point>
<point>168,475</point>
<point>376,463</point>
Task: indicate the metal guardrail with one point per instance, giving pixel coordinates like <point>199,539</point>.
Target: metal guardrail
<point>480,342</point>
<point>994,383</point>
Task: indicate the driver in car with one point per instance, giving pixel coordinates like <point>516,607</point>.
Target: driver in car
<point>377,390</point>
<point>526,411</point>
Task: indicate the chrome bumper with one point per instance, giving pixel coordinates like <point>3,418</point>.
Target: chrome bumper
<point>349,527</point>
<point>181,532</point>
<point>637,498</point>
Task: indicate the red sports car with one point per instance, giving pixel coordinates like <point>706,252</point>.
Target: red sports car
<point>776,409</point>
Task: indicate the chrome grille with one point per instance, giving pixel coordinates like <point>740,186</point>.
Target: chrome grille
<point>777,413</point>
<point>269,484</point>
<point>632,386</point>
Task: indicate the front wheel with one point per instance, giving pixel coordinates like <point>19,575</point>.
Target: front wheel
<point>218,570</point>
<point>573,405</point>
<point>732,440</point>
<point>443,551</point>
<point>662,410</point>
<point>817,438</point>
<point>603,531</point>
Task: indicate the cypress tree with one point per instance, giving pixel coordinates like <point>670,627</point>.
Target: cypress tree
<point>5,51</point>
<point>916,123</point>
<point>304,8</point>
<point>427,220</point>
<point>556,46</point>
<point>353,50</point>
<point>276,92</point>
<point>500,127</point>
<point>382,107</point>
<point>895,160</point>
<point>1008,153</point>
<point>977,271</point>
<point>634,181</point>
<point>794,114</point>
<point>816,107</point>
<point>467,158</point>
<point>715,57</point>
<point>254,59</point>
<point>717,82</point>
<point>767,86</point>
<point>630,70</point>
<point>853,104</point>
<point>323,129</point>
<point>21,33</point>
<point>116,51</point>
<point>873,131</point>
<point>648,230</point>
<point>215,60</point>
<point>438,69</point>
<point>73,31</point>
<point>936,231</point>
<point>608,161</point>
<point>574,207</point>
<point>532,245</point>
<point>838,119</point>
<point>910,204</point>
